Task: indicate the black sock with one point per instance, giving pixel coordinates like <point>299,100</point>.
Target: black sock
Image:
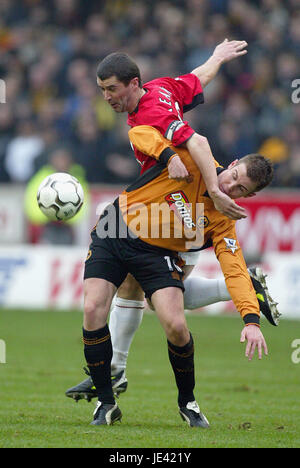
<point>98,355</point>
<point>182,362</point>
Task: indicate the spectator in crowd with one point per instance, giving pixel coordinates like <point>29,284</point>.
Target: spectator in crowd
<point>6,134</point>
<point>21,152</point>
<point>91,146</point>
<point>50,49</point>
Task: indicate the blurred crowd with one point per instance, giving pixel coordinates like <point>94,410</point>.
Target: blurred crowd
<point>50,50</point>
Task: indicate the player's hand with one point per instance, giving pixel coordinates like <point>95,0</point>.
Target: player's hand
<point>227,206</point>
<point>177,169</point>
<point>255,339</point>
<point>229,50</point>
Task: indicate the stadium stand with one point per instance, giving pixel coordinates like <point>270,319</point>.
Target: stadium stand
<point>50,50</point>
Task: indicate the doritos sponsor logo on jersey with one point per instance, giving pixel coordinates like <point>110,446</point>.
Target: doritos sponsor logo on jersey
<point>179,202</point>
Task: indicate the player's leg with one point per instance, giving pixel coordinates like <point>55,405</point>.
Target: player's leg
<point>98,295</point>
<point>125,318</point>
<point>168,304</point>
<point>104,272</point>
<point>200,292</point>
<point>160,276</point>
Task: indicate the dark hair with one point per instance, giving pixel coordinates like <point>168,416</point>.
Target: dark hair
<point>259,169</point>
<point>120,65</point>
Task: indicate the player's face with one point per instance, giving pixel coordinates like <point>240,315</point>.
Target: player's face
<point>234,182</point>
<point>117,94</point>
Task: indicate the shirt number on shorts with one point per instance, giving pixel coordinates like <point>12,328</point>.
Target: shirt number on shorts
<point>171,264</point>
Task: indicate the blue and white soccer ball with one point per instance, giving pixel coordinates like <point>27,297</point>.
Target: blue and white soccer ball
<point>60,196</point>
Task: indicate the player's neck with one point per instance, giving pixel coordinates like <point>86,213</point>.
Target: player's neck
<point>135,102</point>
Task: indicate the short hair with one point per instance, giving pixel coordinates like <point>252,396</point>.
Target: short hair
<point>259,169</point>
<point>120,65</point>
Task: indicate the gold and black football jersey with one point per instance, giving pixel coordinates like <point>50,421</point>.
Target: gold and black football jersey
<point>180,216</point>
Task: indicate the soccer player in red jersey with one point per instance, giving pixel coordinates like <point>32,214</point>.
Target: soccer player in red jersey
<point>161,104</point>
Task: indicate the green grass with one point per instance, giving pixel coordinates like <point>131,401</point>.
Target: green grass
<point>249,404</point>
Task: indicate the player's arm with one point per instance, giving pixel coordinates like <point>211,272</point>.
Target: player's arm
<point>200,151</point>
<point>224,52</point>
<point>241,290</point>
<point>149,141</point>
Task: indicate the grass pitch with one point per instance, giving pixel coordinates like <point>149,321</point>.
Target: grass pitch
<point>249,404</point>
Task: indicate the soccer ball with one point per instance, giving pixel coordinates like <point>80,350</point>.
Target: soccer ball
<point>60,196</point>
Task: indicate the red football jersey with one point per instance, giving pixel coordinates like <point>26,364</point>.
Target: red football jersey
<point>162,106</point>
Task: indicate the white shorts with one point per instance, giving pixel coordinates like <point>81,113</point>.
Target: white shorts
<point>190,258</point>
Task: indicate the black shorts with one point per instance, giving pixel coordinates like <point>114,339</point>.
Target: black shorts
<point>113,258</point>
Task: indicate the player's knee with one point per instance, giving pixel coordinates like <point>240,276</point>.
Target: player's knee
<point>177,332</point>
<point>130,289</point>
<point>94,315</point>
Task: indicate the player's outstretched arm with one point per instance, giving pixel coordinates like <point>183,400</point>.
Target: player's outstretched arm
<point>224,52</point>
<point>255,339</point>
<point>200,151</point>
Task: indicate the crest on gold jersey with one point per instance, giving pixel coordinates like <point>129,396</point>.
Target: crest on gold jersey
<point>203,221</point>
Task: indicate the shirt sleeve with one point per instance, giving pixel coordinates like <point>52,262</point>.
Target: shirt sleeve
<point>149,141</point>
<point>238,281</point>
<point>190,91</point>
<point>165,104</point>
<point>187,94</point>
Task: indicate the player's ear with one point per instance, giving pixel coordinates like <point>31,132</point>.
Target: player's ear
<point>135,82</point>
<point>233,163</point>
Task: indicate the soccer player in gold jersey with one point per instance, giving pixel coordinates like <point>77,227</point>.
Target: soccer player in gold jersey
<point>122,243</point>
